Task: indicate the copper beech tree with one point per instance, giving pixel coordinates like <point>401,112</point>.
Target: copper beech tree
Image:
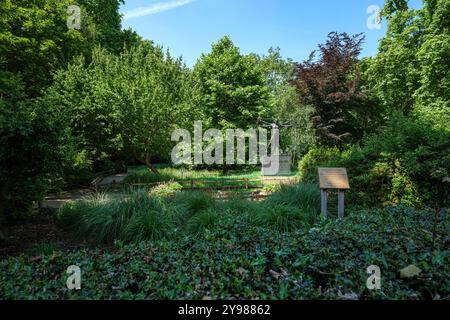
<point>333,86</point>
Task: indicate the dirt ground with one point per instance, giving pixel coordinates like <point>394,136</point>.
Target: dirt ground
<point>27,237</point>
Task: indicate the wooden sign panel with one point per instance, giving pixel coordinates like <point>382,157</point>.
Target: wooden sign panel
<point>333,178</point>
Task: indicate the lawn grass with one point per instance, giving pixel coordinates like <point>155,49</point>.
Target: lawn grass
<point>199,178</point>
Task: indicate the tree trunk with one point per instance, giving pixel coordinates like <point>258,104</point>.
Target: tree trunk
<point>147,163</point>
<point>152,169</point>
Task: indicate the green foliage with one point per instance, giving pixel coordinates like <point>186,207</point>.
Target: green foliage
<point>42,249</point>
<point>304,196</point>
<point>270,188</point>
<point>108,24</point>
<point>148,224</point>
<point>405,163</point>
<point>37,151</point>
<point>166,189</point>
<point>36,40</point>
<point>315,156</point>
<point>193,202</point>
<point>104,218</point>
<point>112,114</point>
<point>238,260</point>
<point>410,72</point>
<point>34,147</point>
<point>143,175</point>
<point>392,239</point>
<point>283,218</point>
<point>285,105</point>
<point>137,215</point>
<point>231,87</point>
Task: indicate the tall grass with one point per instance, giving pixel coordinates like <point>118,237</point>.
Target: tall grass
<point>282,218</point>
<point>105,218</point>
<point>305,197</point>
<point>189,203</point>
<point>136,215</point>
<point>204,220</point>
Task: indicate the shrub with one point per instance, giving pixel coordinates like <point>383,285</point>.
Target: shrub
<point>237,205</point>
<point>43,249</point>
<point>314,157</point>
<point>338,253</point>
<point>147,224</point>
<point>405,163</point>
<point>193,202</point>
<point>271,188</point>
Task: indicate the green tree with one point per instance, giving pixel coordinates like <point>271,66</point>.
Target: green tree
<point>108,24</point>
<point>232,88</point>
<point>334,86</point>
<point>127,104</point>
<point>35,42</point>
<point>35,146</point>
<point>285,106</point>
<point>411,71</point>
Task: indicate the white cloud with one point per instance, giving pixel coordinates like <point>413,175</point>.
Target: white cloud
<point>155,8</point>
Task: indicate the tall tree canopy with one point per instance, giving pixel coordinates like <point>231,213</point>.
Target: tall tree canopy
<point>285,106</point>
<point>231,87</point>
<point>36,41</point>
<point>332,85</point>
<point>35,142</point>
<point>410,72</point>
<point>126,104</point>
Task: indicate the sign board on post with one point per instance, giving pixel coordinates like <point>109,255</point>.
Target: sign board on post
<point>333,179</point>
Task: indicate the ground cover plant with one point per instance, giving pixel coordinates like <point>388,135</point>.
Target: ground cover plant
<point>238,259</point>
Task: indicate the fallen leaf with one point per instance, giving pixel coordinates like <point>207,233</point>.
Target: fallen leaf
<point>275,274</point>
<point>410,272</point>
<point>242,271</point>
<point>36,259</point>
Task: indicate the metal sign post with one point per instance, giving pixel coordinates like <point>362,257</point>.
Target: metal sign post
<point>333,179</point>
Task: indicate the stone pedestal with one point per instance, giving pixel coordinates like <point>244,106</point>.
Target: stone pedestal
<point>276,165</point>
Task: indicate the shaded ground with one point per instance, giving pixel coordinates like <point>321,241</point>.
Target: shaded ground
<point>37,236</point>
<point>57,201</point>
<point>113,179</point>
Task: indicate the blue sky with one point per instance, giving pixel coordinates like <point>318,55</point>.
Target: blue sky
<point>189,27</point>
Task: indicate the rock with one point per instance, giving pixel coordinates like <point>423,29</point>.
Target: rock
<point>410,272</point>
